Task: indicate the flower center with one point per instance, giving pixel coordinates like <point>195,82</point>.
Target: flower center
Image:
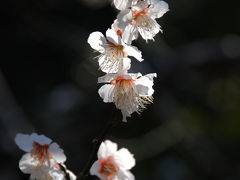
<point>108,168</point>
<point>114,55</point>
<point>116,51</point>
<point>125,94</point>
<point>140,17</point>
<point>121,81</point>
<point>41,152</point>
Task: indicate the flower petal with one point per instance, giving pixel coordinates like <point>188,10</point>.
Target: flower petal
<point>41,139</point>
<point>134,75</point>
<point>140,5</point>
<point>97,41</point>
<point>108,66</point>
<point>106,78</point>
<point>95,167</point>
<point>144,84</point>
<point>113,37</point>
<point>133,51</point>
<point>57,153</point>
<point>122,4</point>
<point>24,142</point>
<point>158,8</point>
<point>56,174</point>
<point>106,93</point>
<point>124,159</point>
<point>125,175</point>
<point>106,149</point>
<point>126,64</point>
<point>130,33</point>
<point>149,33</point>
<point>26,163</point>
<point>29,165</point>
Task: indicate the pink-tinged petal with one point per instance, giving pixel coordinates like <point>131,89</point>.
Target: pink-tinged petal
<point>124,159</point>
<point>106,149</point>
<point>41,139</point>
<point>158,9</point>
<point>106,93</point>
<point>113,37</point>
<point>24,142</point>
<point>95,168</point>
<point>97,41</point>
<point>125,175</point>
<point>133,51</point>
<point>57,153</point>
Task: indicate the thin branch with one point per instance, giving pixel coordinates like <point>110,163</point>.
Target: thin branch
<point>97,142</point>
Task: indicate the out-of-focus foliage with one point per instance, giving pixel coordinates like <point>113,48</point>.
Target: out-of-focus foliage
<point>48,84</point>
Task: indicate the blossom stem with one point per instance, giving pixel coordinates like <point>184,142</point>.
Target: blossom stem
<point>96,144</point>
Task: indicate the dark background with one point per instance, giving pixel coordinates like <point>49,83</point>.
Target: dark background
<point>48,85</point>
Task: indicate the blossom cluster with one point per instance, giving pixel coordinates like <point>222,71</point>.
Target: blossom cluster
<point>44,160</point>
<point>130,92</point>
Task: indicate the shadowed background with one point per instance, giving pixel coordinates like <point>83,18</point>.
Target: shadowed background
<point>48,85</point>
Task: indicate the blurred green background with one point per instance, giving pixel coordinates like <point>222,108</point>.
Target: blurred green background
<point>48,85</point>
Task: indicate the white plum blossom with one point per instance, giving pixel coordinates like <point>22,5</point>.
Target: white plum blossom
<point>124,4</point>
<point>129,92</point>
<point>114,52</point>
<point>42,155</point>
<point>141,18</point>
<point>113,164</point>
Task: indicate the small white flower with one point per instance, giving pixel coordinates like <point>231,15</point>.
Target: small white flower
<point>141,18</point>
<point>114,52</point>
<point>129,92</point>
<point>41,157</point>
<point>113,164</point>
<point>124,4</point>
